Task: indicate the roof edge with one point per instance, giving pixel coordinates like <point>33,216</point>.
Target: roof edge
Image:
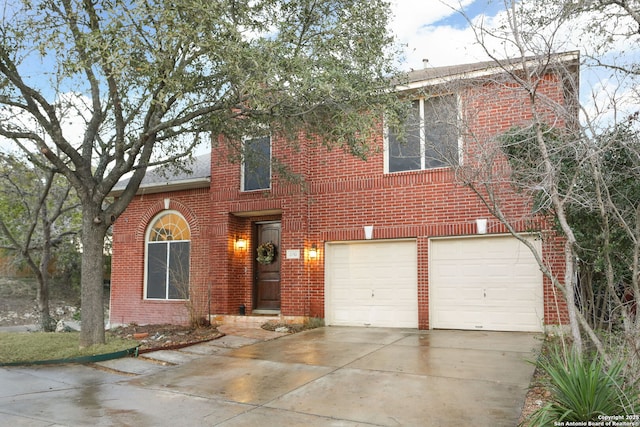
<point>186,184</point>
<point>491,68</point>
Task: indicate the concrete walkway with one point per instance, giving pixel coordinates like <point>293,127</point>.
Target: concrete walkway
<point>330,376</point>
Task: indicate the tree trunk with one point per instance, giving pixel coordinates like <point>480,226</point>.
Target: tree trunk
<point>92,306</point>
<point>557,201</point>
<point>570,286</point>
<point>46,322</point>
<point>43,275</point>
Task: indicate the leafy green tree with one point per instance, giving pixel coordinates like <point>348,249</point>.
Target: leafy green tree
<point>607,229</point>
<point>103,88</point>
<point>38,219</point>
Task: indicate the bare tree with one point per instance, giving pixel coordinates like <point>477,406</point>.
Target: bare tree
<point>575,161</point>
<point>36,215</point>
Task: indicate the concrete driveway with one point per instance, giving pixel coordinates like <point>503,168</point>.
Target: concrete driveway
<point>332,376</point>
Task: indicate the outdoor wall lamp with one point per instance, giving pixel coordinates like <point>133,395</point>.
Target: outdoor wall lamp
<point>481,225</point>
<point>241,243</point>
<point>313,252</point>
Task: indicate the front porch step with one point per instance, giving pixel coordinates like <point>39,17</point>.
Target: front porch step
<point>265,312</point>
<point>249,321</point>
<point>254,320</point>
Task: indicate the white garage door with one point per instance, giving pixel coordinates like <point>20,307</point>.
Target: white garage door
<point>487,283</point>
<point>372,284</point>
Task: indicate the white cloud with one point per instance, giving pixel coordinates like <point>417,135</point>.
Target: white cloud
<point>437,31</point>
<point>443,45</point>
<point>409,16</point>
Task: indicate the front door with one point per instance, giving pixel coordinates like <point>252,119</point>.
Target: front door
<point>267,279</point>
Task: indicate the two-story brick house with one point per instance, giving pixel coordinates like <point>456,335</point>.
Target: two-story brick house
<point>392,241</point>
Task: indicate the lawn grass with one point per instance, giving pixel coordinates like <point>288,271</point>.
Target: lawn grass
<point>27,347</point>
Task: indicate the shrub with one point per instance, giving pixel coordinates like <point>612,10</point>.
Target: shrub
<point>582,389</point>
<point>313,322</point>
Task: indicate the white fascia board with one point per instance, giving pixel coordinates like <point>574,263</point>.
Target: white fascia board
<point>185,184</point>
<point>489,71</point>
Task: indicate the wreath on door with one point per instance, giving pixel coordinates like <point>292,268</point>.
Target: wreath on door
<point>266,253</point>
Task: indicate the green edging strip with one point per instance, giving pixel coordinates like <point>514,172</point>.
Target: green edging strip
<point>82,359</point>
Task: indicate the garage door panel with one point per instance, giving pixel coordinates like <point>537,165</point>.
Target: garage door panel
<point>355,316</point>
<point>499,304</point>
<point>520,297</point>
<point>384,313</point>
<point>454,320</point>
<point>458,294</point>
<point>496,272</point>
<point>524,322</point>
<point>526,274</point>
<point>489,282</point>
<point>448,270</point>
<point>382,294</point>
<point>372,283</point>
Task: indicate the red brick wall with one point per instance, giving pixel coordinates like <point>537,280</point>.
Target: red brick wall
<point>555,309</point>
<point>341,194</point>
<point>128,263</point>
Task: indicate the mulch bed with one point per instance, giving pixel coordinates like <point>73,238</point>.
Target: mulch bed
<point>166,337</point>
<point>172,337</point>
<point>537,396</point>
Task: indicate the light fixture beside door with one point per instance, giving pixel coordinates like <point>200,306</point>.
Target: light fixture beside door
<point>313,251</point>
<point>241,243</point>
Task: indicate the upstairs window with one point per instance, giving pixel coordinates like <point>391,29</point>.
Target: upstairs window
<point>168,247</point>
<point>429,137</point>
<point>256,164</point>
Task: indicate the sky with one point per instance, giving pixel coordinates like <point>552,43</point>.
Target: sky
<point>436,30</point>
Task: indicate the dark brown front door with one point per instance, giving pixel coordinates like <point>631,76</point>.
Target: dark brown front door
<point>267,280</point>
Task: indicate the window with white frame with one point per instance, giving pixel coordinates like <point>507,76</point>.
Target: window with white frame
<point>429,137</point>
<point>168,251</point>
<point>256,164</point>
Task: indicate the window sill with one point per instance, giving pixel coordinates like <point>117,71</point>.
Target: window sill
<point>255,191</point>
<point>417,171</point>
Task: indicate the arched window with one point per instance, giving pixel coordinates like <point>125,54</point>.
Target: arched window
<point>168,247</point>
